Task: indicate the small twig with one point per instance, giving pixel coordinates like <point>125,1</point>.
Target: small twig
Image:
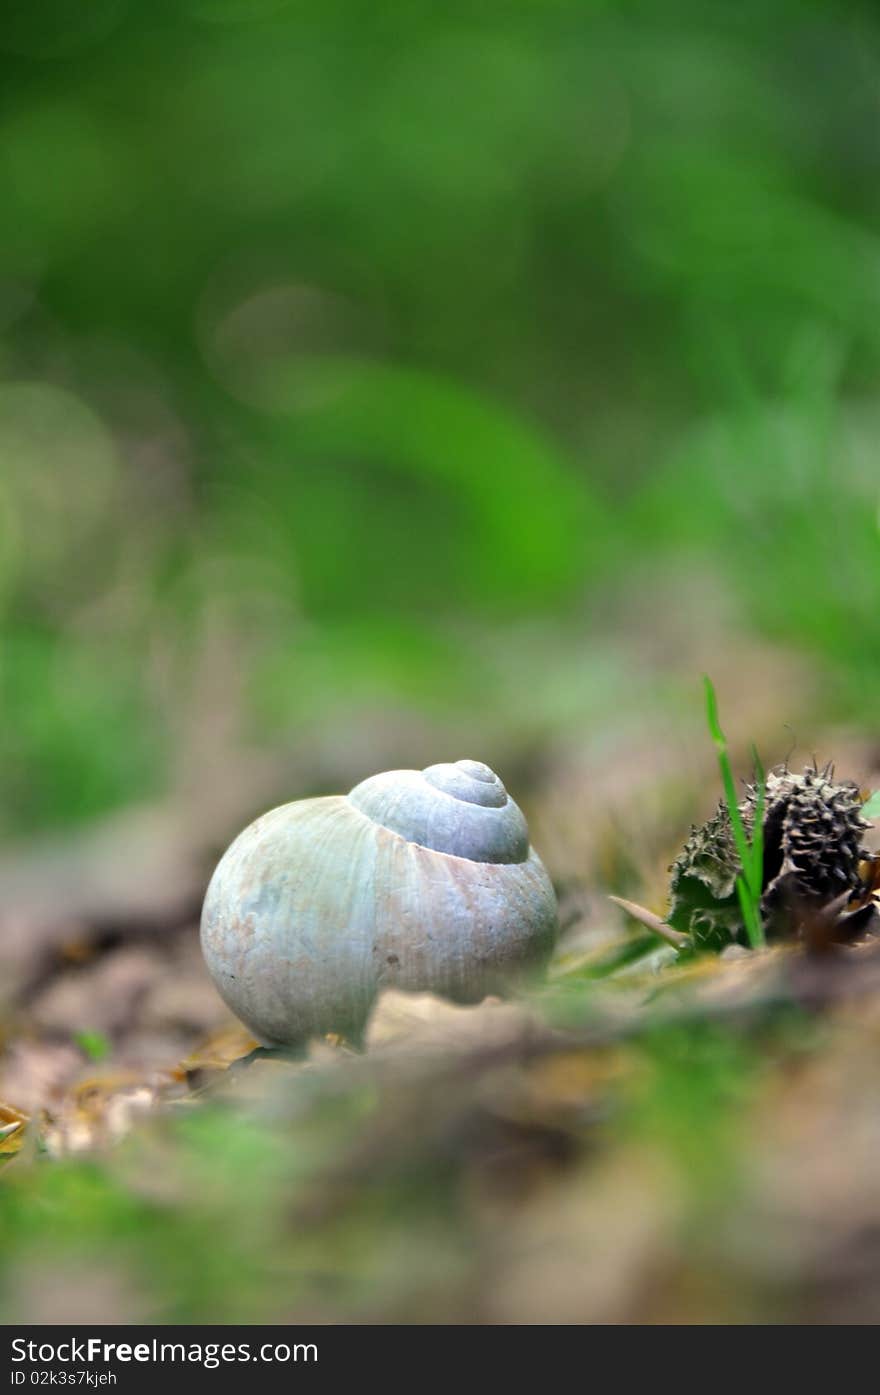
<point>653,922</point>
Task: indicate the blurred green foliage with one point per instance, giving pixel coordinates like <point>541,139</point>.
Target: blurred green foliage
<point>353,332</point>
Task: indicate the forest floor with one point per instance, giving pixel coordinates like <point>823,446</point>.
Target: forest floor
<point>669,1142</point>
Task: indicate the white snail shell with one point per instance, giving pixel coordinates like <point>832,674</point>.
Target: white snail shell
<point>422,880</point>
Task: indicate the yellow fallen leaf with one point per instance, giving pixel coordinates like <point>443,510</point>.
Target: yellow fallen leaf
<point>217,1052</point>
<point>12,1129</point>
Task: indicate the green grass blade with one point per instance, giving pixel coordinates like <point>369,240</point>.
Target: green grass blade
<point>751,917</point>
<point>751,855</point>
<point>739,833</point>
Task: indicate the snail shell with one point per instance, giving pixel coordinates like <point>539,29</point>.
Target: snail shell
<point>423,880</point>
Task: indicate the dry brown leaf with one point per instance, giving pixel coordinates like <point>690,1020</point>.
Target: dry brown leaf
<point>216,1053</point>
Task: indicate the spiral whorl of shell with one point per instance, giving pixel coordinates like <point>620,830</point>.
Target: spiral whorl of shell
<point>462,809</point>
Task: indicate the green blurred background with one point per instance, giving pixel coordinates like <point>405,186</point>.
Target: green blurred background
<point>384,383</point>
<point>349,350</point>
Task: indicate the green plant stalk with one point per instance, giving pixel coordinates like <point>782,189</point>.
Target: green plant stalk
<point>751,855</point>
<point>750,914</point>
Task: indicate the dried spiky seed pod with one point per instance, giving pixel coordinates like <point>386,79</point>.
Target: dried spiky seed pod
<point>813,829</point>
<point>704,903</point>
